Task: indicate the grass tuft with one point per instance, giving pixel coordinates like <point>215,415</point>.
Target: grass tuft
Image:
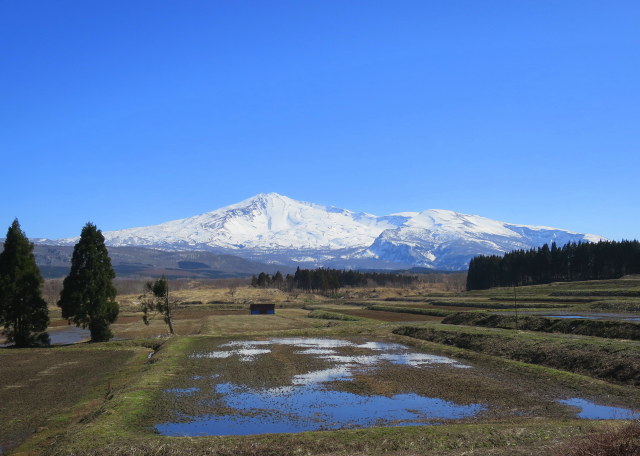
<point>612,441</point>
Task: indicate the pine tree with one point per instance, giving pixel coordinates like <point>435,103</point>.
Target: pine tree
<point>88,294</point>
<point>23,312</point>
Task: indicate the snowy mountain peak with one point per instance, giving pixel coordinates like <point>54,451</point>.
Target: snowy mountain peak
<point>264,221</point>
<point>275,228</point>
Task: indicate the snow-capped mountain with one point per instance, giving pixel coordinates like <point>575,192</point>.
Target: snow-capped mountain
<point>447,240</point>
<point>277,229</point>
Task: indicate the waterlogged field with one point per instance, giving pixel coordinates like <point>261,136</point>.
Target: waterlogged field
<point>321,383</point>
<point>260,386</point>
<point>372,374</point>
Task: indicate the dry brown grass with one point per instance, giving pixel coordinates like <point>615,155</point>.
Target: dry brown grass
<point>36,385</point>
<point>613,440</point>
<point>197,321</point>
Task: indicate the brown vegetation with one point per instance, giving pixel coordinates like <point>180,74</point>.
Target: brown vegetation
<point>613,440</point>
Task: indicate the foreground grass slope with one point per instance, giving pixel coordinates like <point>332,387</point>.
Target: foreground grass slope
<point>115,396</point>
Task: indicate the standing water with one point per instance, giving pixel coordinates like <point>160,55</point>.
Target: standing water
<point>309,402</point>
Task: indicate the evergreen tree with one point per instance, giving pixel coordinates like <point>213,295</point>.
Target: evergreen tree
<point>278,280</point>
<point>581,261</point>
<point>88,294</point>
<point>23,312</point>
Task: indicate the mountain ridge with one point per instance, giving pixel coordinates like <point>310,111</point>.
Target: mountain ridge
<point>273,228</point>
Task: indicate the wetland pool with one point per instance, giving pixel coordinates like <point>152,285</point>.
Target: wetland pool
<point>288,385</point>
<point>309,400</point>
<point>591,411</point>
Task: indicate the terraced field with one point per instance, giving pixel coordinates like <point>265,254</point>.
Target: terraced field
<point>363,376</point>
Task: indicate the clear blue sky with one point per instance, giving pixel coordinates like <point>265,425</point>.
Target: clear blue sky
<point>131,113</point>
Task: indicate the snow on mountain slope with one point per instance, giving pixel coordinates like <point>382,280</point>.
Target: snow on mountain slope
<point>266,221</point>
<point>275,228</point>
<point>444,239</point>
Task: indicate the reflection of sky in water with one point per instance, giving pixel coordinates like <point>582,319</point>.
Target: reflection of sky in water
<point>307,403</point>
<point>326,349</point>
<point>69,335</point>
<point>322,376</point>
<point>591,411</point>
<point>310,407</point>
<point>317,351</point>
<point>245,354</point>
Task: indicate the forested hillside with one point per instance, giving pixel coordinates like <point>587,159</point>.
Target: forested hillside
<point>581,261</point>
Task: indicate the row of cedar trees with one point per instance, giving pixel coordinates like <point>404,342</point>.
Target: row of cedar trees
<point>328,281</point>
<point>87,298</point>
<point>581,261</point>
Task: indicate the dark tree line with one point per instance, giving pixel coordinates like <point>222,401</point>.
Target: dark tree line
<point>328,281</point>
<point>581,261</point>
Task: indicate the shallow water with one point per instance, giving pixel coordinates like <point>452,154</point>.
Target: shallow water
<point>65,336</point>
<point>69,335</point>
<point>247,350</point>
<point>308,402</point>
<point>309,407</point>
<point>592,411</point>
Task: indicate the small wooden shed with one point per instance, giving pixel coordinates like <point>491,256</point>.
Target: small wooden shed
<point>263,309</point>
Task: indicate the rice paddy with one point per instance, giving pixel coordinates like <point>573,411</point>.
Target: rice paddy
<point>379,381</point>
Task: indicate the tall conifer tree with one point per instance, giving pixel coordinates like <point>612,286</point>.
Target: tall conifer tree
<point>88,295</point>
<point>23,312</point>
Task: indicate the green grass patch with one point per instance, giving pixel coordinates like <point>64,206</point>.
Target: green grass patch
<point>323,314</point>
<point>604,359</point>
<point>597,328</point>
<point>412,310</point>
<point>497,305</point>
<point>616,293</point>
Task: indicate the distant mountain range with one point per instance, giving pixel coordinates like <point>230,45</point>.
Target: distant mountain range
<point>277,230</point>
<point>55,261</point>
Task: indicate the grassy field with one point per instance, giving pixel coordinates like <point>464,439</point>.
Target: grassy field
<point>106,398</point>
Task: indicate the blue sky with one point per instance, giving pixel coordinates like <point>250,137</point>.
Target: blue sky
<point>131,113</point>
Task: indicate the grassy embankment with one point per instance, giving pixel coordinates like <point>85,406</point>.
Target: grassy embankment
<point>117,396</point>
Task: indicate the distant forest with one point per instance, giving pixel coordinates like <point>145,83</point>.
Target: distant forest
<point>581,261</point>
<point>325,280</point>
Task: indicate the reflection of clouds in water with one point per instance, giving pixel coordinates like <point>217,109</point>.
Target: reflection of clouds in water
<point>421,359</point>
<point>308,407</point>
<point>382,346</point>
<point>309,342</point>
<point>309,402</point>
<point>245,354</point>
<point>246,343</point>
<point>367,360</point>
<point>322,376</point>
<point>214,354</point>
<point>316,351</point>
<point>327,349</point>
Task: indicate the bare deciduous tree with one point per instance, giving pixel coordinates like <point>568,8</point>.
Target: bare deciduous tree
<point>156,300</point>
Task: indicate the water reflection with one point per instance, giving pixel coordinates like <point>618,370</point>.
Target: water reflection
<point>310,407</point>
<point>308,402</point>
<point>248,350</point>
<point>592,411</point>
